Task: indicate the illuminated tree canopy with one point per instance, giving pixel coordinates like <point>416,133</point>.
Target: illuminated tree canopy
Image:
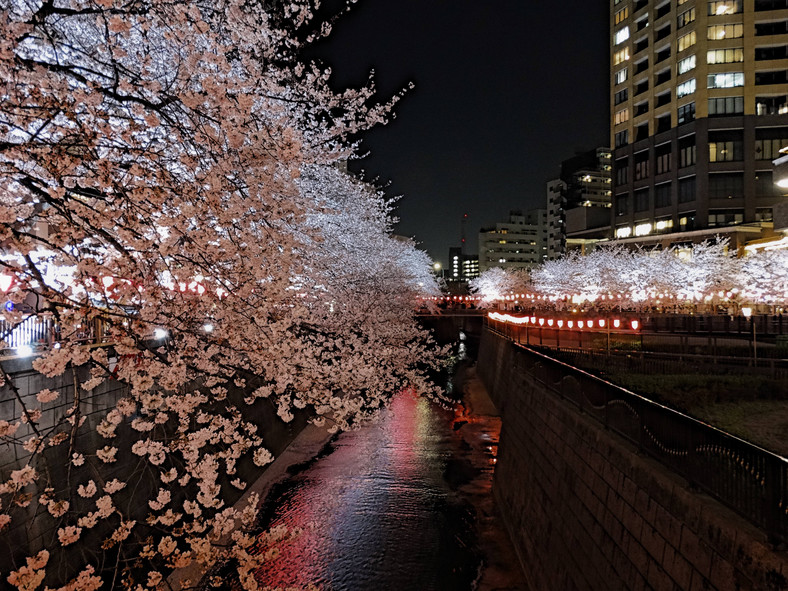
<point>616,276</point>
<point>171,173</point>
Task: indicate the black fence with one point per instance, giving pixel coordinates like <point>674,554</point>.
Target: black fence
<point>750,480</point>
<point>766,325</point>
<point>655,364</point>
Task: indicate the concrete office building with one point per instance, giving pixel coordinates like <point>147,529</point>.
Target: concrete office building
<point>520,243</point>
<point>462,267</point>
<point>699,109</point>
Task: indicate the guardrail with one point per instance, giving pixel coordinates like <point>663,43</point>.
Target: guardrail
<point>750,480</point>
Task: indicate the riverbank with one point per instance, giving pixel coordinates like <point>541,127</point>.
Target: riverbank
<point>501,568</point>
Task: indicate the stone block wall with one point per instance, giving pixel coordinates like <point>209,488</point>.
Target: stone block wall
<point>24,534</point>
<point>585,511</point>
<point>94,404</point>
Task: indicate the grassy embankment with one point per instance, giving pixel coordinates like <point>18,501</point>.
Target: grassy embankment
<point>754,408</point>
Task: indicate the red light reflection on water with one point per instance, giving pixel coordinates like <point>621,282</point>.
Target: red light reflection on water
<point>347,501</point>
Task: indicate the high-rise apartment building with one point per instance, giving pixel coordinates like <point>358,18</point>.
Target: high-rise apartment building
<point>699,109</point>
<point>578,204</point>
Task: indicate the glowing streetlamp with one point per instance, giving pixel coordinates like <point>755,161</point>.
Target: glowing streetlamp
<point>780,170</point>
<point>747,313</point>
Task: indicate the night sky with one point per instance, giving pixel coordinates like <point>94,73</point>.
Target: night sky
<point>504,91</point>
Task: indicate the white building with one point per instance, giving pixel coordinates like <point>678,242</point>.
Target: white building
<point>520,243</point>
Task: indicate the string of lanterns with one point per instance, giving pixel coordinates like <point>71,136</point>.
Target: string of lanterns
<point>551,322</point>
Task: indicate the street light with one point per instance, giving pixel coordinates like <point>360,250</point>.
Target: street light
<point>747,312</point>
<point>438,268</point>
<point>780,170</point>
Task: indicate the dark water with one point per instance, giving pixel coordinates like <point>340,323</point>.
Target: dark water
<point>395,505</point>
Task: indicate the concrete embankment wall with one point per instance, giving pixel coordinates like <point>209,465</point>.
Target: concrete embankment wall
<point>31,528</point>
<point>585,511</point>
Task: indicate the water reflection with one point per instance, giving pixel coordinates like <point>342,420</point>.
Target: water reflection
<point>384,507</point>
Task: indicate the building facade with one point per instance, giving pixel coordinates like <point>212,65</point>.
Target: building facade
<point>520,243</point>
<point>579,202</point>
<point>699,109</point>
<point>462,267</point>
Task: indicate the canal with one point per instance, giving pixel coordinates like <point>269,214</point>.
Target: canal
<point>404,503</point>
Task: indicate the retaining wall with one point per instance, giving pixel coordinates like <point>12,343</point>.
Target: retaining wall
<point>25,534</point>
<point>586,511</point>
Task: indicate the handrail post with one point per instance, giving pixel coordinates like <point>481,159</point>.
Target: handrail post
<point>642,434</point>
<point>692,457</point>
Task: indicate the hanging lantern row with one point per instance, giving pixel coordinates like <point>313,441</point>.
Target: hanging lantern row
<point>453,299</point>
<point>734,294</point>
<point>540,321</point>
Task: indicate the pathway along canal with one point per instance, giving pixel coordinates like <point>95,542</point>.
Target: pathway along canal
<point>402,504</point>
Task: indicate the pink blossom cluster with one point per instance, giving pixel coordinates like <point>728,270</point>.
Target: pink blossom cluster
<point>201,246</point>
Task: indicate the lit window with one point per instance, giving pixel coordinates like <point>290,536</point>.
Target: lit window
<point>687,40</point>
<point>728,151</point>
<point>726,80</point>
<point>624,232</point>
<point>725,56</point>
<point>642,229</point>
<point>718,32</point>
<point>621,75</point>
<point>622,116</point>
<point>685,18</point>
<point>686,88</point>
<point>621,36</point>
<point>769,149</point>
<point>621,55</point>
<point>720,7</point>
<point>622,14</point>
<point>687,64</point>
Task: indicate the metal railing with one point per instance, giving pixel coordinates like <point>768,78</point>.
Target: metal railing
<point>722,324</point>
<point>750,480</point>
<point>42,332</point>
<point>32,331</point>
<point>651,363</point>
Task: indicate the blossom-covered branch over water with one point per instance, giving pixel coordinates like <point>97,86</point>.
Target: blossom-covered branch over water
<point>172,172</point>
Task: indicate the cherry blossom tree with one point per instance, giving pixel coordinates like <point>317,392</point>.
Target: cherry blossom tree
<point>707,274</point>
<point>763,276</point>
<point>170,175</point>
<point>496,283</point>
